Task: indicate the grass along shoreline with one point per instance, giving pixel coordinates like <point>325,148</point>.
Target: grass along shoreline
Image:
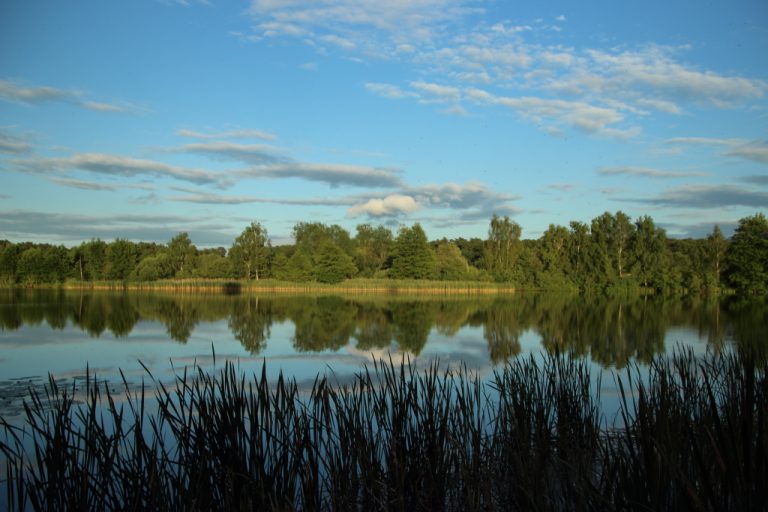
<point>692,435</point>
<point>357,285</point>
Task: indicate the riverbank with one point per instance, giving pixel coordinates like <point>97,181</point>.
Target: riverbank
<point>350,286</point>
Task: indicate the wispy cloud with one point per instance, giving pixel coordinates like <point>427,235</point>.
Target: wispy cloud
<point>576,114</point>
<point>372,27</point>
<point>333,174</point>
<point>707,141</point>
<point>36,95</point>
<point>388,91</point>
<point>97,186</point>
<point>647,172</point>
<point>220,199</point>
<point>437,92</point>
<point>709,196</point>
<point>246,153</point>
<point>242,133</point>
<point>756,151</point>
<point>13,144</point>
<point>73,229</point>
<point>761,179</point>
<point>116,166</point>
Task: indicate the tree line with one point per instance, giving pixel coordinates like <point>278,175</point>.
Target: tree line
<point>612,252</point>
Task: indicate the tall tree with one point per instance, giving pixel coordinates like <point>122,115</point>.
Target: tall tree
<point>413,257</point>
<point>373,248</point>
<point>747,255</point>
<point>450,263</point>
<point>611,235</point>
<point>650,259</point>
<point>503,247</point>
<point>715,254</point>
<point>181,254</point>
<point>250,251</point>
<point>332,264</point>
<point>122,257</point>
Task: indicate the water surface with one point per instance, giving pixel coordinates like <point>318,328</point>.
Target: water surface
<point>62,333</point>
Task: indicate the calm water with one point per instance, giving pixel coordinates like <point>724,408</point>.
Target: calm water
<point>62,333</point>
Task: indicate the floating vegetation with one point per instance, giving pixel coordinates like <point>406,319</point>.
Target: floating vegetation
<point>691,433</point>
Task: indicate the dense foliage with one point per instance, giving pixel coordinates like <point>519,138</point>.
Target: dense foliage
<point>610,253</point>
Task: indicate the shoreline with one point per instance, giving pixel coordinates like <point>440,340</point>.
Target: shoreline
<point>353,286</point>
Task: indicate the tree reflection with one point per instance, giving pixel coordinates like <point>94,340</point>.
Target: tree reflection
<point>250,322</point>
<point>323,323</point>
<point>374,327</point>
<point>502,329</point>
<point>412,322</point>
<point>611,330</point>
<point>179,319</point>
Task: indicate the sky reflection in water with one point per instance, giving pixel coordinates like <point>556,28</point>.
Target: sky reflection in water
<point>46,331</point>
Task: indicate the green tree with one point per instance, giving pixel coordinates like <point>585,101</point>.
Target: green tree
<point>611,235</point>
<point>311,235</point>
<point>151,268</point>
<point>181,255</point>
<point>650,258</point>
<point>9,257</point>
<point>747,255</point>
<point>503,248</point>
<point>122,257</point>
<point>250,251</point>
<point>450,263</point>
<point>413,257</point>
<point>94,259</point>
<point>579,253</point>
<point>373,248</point>
<point>213,264</point>
<point>332,264</point>
<point>716,248</point>
<point>299,268</point>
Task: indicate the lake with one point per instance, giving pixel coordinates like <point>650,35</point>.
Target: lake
<point>64,332</point>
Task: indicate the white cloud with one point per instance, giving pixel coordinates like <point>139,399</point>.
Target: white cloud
<point>390,205</point>
<point>13,144</point>
<point>116,166</point>
<point>388,91</point>
<point>242,133</point>
<point>653,68</point>
<point>36,95</point>
<point>756,151</point>
<point>247,153</point>
<point>11,91</point>
<point>577,114</point>
<point>709,196</point>
<point>441,92</point>
<point>660,105</point>
<point>711,141</point>
<point>647,172</point>
<point>341,42</point>
<point>332,174</point>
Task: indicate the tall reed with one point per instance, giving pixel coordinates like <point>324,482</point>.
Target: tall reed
<point>690,435</point>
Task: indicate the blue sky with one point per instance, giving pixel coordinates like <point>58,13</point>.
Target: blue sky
<point>143,119</point>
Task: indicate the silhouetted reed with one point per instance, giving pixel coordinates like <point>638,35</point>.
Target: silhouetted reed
<point>690,434</point>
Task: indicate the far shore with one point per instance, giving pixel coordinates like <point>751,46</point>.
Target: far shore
<point>352,286</point>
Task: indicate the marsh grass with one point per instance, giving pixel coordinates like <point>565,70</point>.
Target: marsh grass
<point>689,435</point>
<point>348,286</point>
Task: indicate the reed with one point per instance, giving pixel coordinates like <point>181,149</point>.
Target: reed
<point>691,434</point>
<point>348,286</point>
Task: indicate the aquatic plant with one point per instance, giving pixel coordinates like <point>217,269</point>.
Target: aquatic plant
<point>691,434</point>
